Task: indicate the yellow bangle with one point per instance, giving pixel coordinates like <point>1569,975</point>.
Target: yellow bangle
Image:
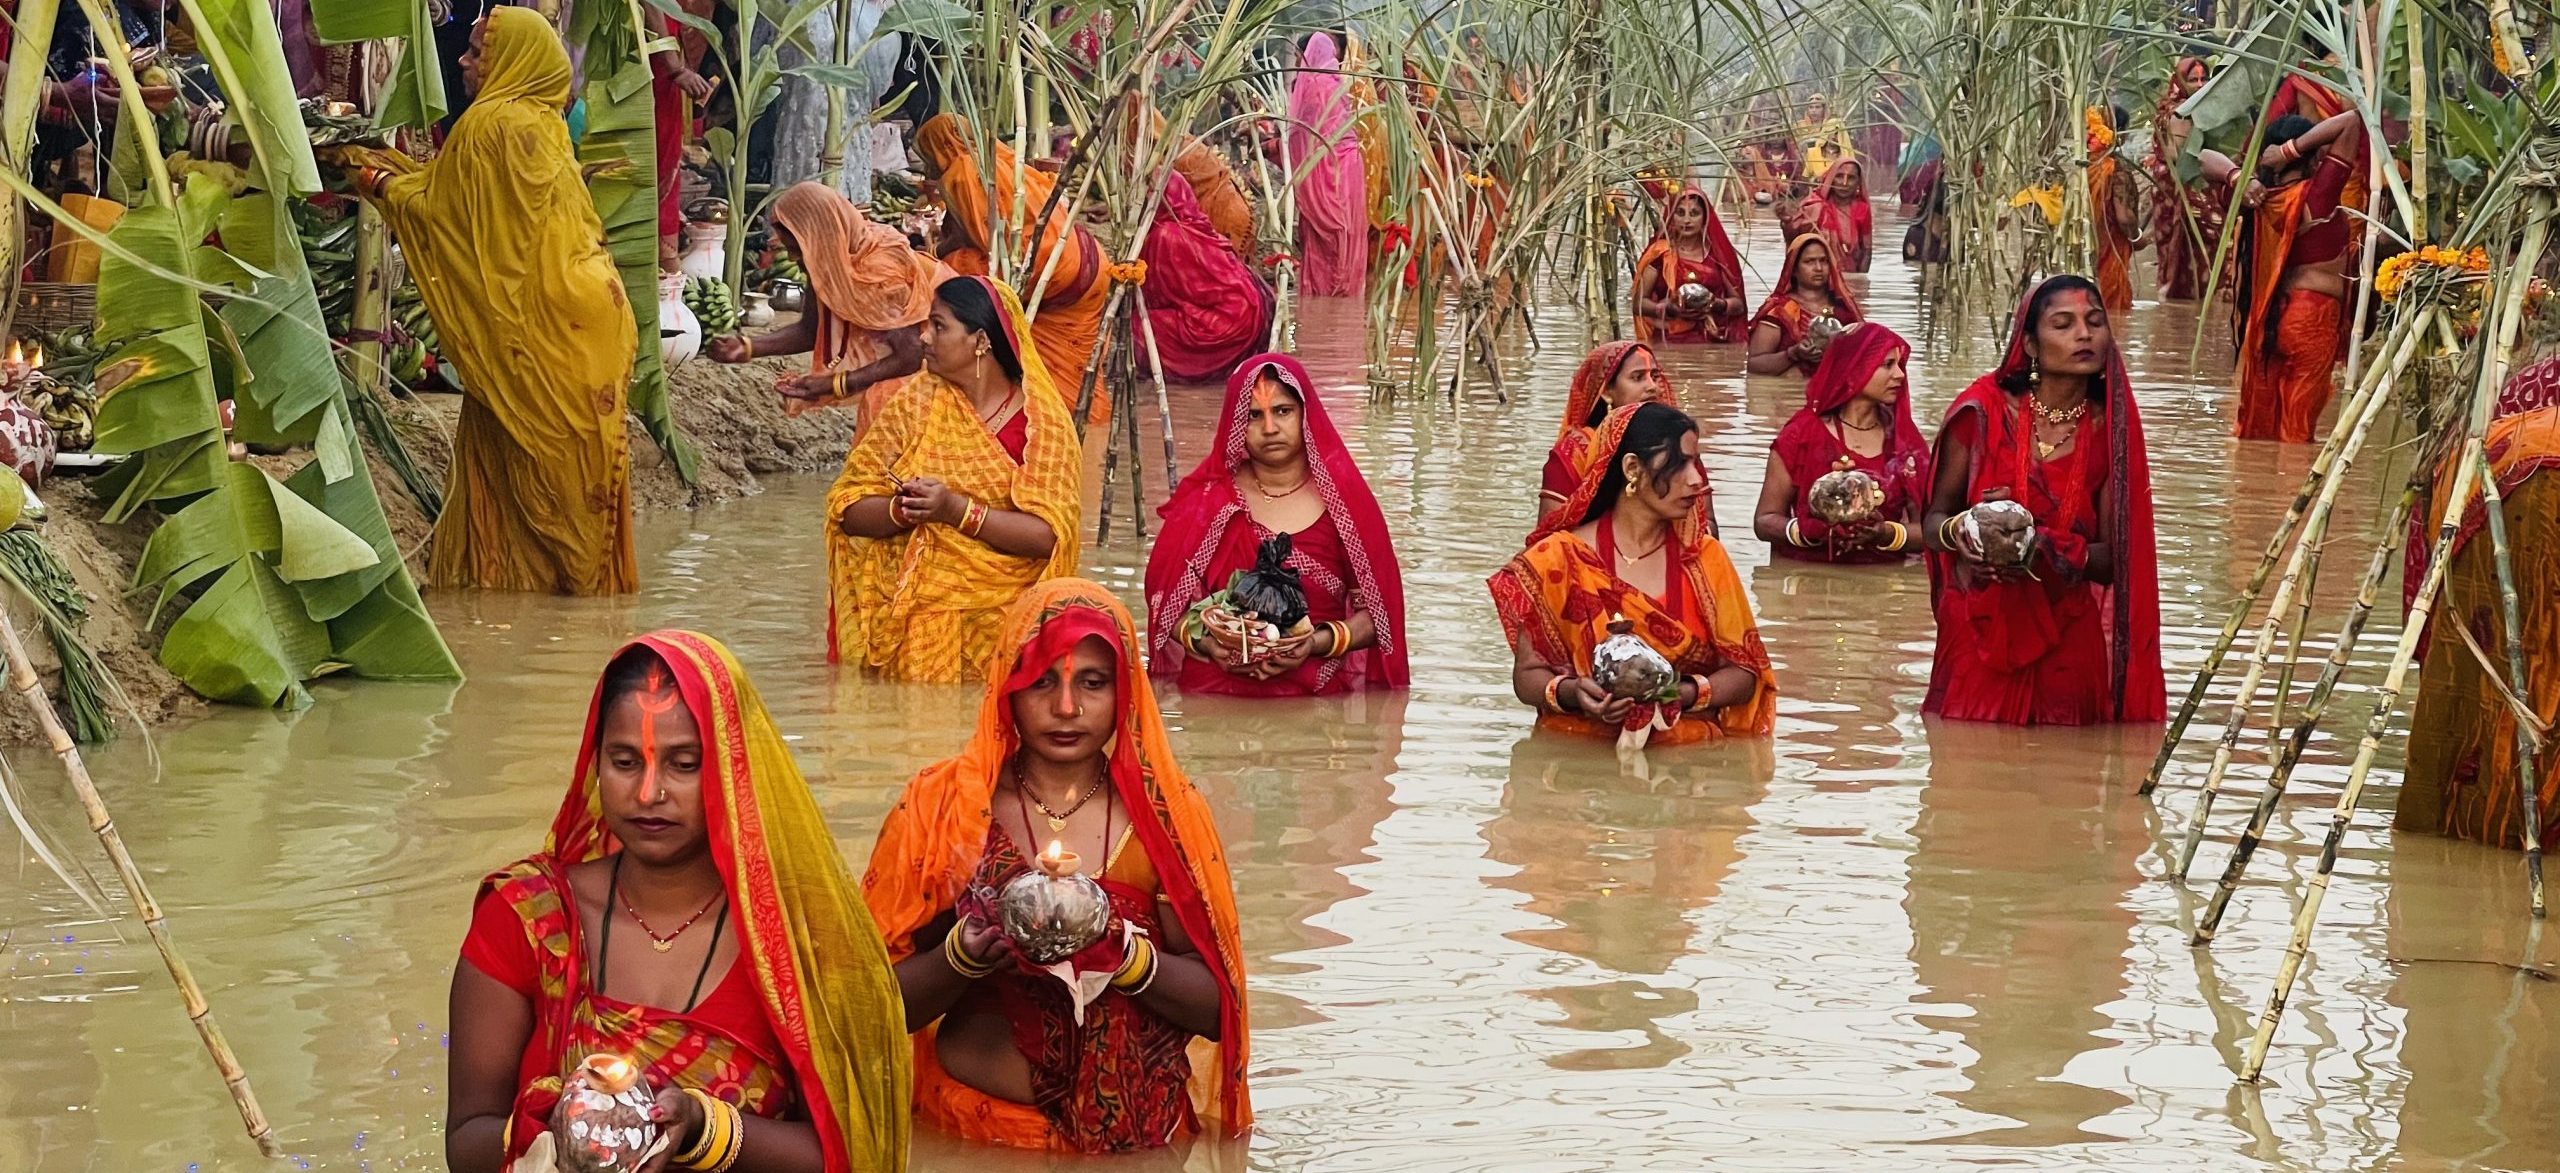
<point>716,1146</point>
<point>1901,536</point>
<point>957,956</point>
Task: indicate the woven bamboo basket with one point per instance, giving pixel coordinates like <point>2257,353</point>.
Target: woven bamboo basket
<point>55,306</point>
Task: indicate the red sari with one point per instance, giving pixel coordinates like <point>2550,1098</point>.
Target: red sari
<point>1720,271</point>
<point>1585,409</point>
<point>1848,222</point>
<point>2063,650</point>
<point>1561,592</point>
<point>1345,560</point>
<point>2291,339</point>
<point>1205,307</point>
<point>1789,315</point>
<point>1808,447</point>
<point>804,1026</point>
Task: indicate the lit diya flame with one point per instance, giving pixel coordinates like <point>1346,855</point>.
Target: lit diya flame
<point>1058,861</point>
<point>610,1073</point>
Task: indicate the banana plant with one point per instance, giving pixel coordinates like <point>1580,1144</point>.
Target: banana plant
<point>273,582</point>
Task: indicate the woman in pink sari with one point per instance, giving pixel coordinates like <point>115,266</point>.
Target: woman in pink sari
<point>1278,467</point>
<point>1205,307</point>
<point>1333,188</point>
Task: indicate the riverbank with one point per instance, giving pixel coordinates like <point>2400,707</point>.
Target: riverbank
<point>730,413</point>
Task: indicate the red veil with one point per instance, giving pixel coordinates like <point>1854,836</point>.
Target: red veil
<point>1591,381</point>
<point>1205,306</point>
<point>1804,443</point>
<point>2131,606</point>
<point>1780,306</point>
<point>1723,262</point>
<point>1850,226</point>
<point>1206,514</point>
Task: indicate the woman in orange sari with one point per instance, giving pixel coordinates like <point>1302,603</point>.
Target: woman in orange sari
<point>2111,205</point>
<point>750,986</point>
<point>1139,1040</point>
<point>2463,764</point>
<point>2297,245</point>
<point>1069,315</point>
<point>873,291</point>
<point>2072,636</point>
<point>1783,337</point>
<point>1839,211</point>
<point>1692,250</point>
<point>1633,542</point>
<point>964,492</point>
<point>1614,375</point>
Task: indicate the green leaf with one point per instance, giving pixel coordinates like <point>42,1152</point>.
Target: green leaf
<point>246,641</point>
<point>417,96</point>
<point>239,38</point>
<point>938,20</point>
<point>828,73</point>
<point>622,129</point>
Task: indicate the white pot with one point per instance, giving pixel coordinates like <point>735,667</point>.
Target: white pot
<point>758,312</point>
<point>679,331</point>
<point>706,251</point>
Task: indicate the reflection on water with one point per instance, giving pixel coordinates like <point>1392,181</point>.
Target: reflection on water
<point>1871,941</point>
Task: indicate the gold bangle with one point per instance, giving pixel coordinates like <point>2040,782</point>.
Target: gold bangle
<point>698,1153</point>
<point>1795,535</point>
<point>974,518</point>
<point>1554,682</point>
<point>1901,535</point>
<point>956,955</point>
<point>1946,535</point>
<point>722,1135</point>
<point>735,1130</point>
<point>1133,966</point>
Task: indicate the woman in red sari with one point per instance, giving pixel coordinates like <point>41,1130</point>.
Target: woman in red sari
<point>1782,334</point>
<point>1839,211</point>
<point>1856,415</point>
<point>1614,375</point>
<point>1206,308</point>
<point>1277,467</point>
<point>2186,218</point>
<point>1632,542</point>
<point>747,982</point>
<point>1140,1040</point>
<point>2072,637</point>
<point>1693,250</point>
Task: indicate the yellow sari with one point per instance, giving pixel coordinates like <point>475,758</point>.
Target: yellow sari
<point>507,250</point>
<point>926,604</point>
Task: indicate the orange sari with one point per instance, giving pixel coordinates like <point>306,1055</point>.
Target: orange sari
<point>868,281</point>
<point>931,847</point>
<point>812,1015</point>
<point>2115,252</point>
<point>1069,317</point>
<point>1561,594</point>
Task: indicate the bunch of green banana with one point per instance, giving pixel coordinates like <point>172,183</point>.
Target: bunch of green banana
<point>712,301</point>
<point>887,206</point>
<point>71,409</point>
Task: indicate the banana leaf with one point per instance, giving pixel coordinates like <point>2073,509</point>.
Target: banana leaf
<point>621,150</point>
<point>239,38</point>
<point>416,97</point>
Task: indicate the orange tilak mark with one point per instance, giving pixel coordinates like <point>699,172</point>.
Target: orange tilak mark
<point>657,698</point>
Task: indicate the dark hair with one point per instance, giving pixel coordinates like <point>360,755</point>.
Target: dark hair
<point>975,309</point>
<point>2286,128</point>
<point>1600,403</point>
<point>2019,382</point>
<point>633,671</point>
<point>1653,438</point>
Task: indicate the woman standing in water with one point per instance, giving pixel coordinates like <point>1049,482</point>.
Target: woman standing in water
<point>1333,194</point>
<point>1276,468</point>
<point>1614,375</point>
<point>2072,636</point>
<point>1693,250</point>
<point>747,982</point>
<point>1633,541</point>
<point>510,257</point>
<point>1070,752</point>
<point>1856,415</point>
<point>1783,335</point>
<point>871,292</point>
<point>1838,210</point>
<point>1077,285</point>
<point>964,492</point>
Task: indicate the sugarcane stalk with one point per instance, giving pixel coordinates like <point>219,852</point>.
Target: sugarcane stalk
<point>2508,316</point>
<point>2368,594</point>
<point>2420,86</point>
<point>2528,773</point>
<point>1164,404</point>
<point>2358,421</point>
<point>2300,623</point>
<point>2313,482</point>
<point>30,689</point>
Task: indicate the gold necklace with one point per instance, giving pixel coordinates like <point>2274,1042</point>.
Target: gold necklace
<point>2057,416</point>
<point>1284,495</point>
<point>989,421</point>
<point>1631,559</point>
<point>1057,819</point>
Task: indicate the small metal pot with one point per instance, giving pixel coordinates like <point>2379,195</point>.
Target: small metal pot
<point>788,296</point>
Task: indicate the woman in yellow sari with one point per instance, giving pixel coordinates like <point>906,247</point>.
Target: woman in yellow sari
<point>1632,542</point>
<point>748,986</point>
<point>965,491</point>
<point>1070,311</point>
<point>507,250</point>
<point>1139,1040</point>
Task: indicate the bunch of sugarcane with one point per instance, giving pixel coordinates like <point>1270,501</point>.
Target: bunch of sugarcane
<point>2456,317</point>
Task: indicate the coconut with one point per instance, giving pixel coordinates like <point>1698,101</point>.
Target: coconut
<point>1845,496</point>
<point>2003,530</point>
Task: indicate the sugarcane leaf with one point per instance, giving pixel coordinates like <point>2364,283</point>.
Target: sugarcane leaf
<point>710,32</point>
<point>828,73</point>
<point>938,20</point>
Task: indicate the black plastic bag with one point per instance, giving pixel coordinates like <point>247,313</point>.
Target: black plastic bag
<point>1271,589</point>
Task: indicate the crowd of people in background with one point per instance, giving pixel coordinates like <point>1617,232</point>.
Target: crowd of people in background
<point>811,1016</point>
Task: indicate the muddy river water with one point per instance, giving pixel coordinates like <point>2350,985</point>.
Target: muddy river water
<point>1871,941</point>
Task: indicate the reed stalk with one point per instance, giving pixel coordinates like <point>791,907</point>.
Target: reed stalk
<point>2528,775</point>
<point>2358,420</point>
<point>2506,317</point>
<point>30,690</point>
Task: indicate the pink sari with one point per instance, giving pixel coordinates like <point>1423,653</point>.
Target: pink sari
<point>1333,188</point>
